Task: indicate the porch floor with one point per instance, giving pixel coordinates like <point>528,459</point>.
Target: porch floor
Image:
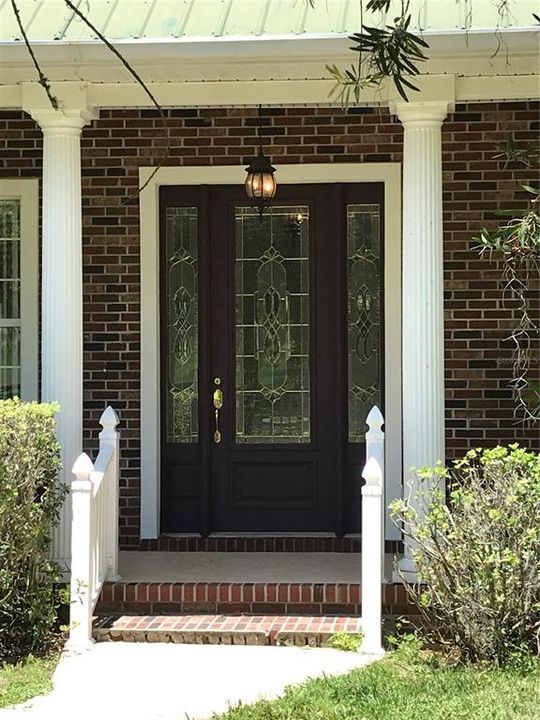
<point>227,567</point>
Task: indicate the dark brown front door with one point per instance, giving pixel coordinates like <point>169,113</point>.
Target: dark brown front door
<point>270,336</point>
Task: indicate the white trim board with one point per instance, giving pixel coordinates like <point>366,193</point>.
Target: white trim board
<point>26,190</point>
<point>387,173</point>
<point>312,89</point>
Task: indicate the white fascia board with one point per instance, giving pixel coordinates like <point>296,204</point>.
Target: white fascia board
<point>278,48</point>
<point>453,38</point>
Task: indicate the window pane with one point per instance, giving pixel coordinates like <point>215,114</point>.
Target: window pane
<point>10,370</point>
<point>364,314</point>
<point>272,325</point>
<point>182,324</point>
<point>10,218</point>
<point>10,291</point>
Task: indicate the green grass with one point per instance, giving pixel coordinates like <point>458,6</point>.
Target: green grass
<point>401,687</point>
<point>25,680</point>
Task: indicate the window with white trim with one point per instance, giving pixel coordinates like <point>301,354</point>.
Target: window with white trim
<point>18,288</point>
<point>10,297</point>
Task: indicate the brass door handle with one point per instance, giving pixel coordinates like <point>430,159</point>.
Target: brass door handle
<point>217,399</point>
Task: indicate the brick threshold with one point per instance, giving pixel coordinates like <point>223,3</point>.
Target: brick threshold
<point>299,630</point>
<point>257,542</point>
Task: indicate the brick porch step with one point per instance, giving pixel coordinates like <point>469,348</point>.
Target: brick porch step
<point>162,598</point>
<point>297,630</point>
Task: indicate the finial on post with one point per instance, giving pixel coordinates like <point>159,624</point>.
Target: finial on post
<point>372,473</point>
<point>375,419</point>
<point>82,467</point>
<point>109,421</point>
<point>109,418</point>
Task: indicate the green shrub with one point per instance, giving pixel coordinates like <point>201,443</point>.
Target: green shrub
<point>30,499</point>
<point>478,555</point>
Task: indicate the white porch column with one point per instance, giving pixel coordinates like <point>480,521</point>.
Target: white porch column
<point>61,319</point>
<point>422,293</point>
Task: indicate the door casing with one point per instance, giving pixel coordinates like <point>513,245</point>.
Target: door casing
<point>390,175</point>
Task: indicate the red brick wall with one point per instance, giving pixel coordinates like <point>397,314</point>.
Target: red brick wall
<point>478,358</point>
<point>479,405</point>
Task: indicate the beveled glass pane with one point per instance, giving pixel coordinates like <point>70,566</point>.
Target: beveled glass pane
<point>272,325</point>
<point>181,239</point>
<point>10,362</point>
<point>364,314</point>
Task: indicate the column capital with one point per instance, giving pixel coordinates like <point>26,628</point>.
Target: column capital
<point>74,110</point>
<point>422,114</point>
<point>64,121</point>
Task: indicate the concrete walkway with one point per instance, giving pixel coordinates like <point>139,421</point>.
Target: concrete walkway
<point>175,682</point>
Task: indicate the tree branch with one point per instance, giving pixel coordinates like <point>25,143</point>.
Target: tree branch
<point>43,81</point>
<point>137,77</point>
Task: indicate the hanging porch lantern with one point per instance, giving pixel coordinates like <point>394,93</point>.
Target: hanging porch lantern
<point>260,182</point>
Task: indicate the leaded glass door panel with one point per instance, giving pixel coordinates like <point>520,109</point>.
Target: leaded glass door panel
<point>270,334</point>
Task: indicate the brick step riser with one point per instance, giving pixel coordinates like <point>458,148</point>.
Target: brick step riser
<point>297,639</point>
<point>243,598</point>
<point>238,608</point>
<point>259,544</point>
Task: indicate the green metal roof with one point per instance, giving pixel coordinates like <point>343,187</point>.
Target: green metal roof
<point>51,20</point>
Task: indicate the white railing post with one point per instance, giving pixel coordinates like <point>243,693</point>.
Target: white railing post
<point>82,581</point>
<point>372,557</point>
<point>110,437</point>
<point>375,436</point>
<point>375,449</point>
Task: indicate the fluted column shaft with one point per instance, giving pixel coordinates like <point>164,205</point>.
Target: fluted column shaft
<point>61,319</point>
<point>422,294</point>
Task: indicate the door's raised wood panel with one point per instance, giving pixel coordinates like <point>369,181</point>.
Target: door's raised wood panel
<point>273,485</point>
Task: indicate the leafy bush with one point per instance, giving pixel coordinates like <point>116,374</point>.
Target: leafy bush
<point>478,556</point>
<point>30,499</point>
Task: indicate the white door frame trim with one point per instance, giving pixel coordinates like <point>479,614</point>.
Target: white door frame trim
<point>390,175</point>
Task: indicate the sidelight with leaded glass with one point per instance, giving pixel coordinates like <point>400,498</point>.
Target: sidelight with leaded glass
<point>182,324</point>
<point>363,314</point>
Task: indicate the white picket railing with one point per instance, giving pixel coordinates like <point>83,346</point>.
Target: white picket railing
<point>94,529</point>
<point>373,535</point>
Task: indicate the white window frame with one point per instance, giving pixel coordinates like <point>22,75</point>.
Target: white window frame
<point>387,173</point>
<point>26,191</point>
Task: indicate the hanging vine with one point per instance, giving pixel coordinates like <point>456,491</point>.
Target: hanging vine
<point>516,243</point>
